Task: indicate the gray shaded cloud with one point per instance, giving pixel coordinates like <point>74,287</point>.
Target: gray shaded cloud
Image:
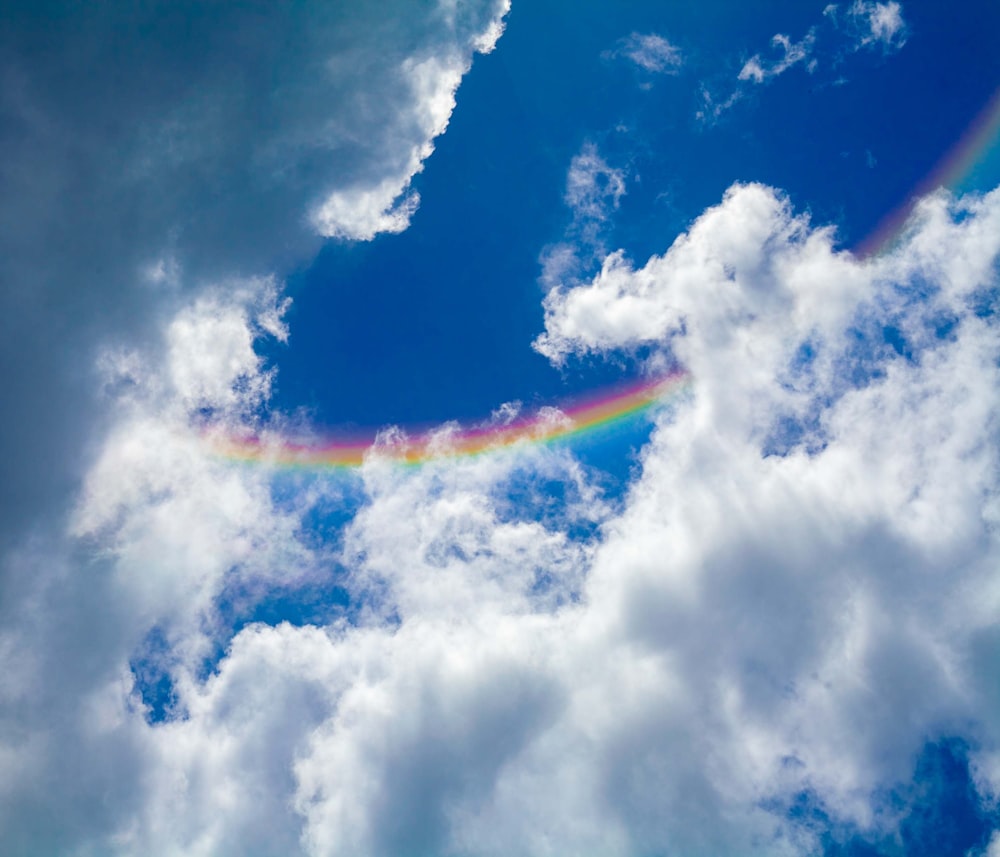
<point>195,140</point>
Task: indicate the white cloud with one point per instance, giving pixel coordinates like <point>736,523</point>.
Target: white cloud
<point>593,188</point>
<point>878,23</point>
<point>176,522</point>
<point>993,850</point>
<point>885,511</point>
<point>485,41</point>
<point>798,589</point>
<point>145,246</point>
<point>757,70</point>
<point>865,24</point>
<point>361,213</point>
<point>751,625</point>
<point>593,192</point>
<point>210,347</point>
<point>713,108</point>
<point>651,52</point>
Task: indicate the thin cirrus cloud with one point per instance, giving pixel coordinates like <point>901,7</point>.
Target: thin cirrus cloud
<point>594,190</point>
<point>650,52</point>
<point>757,70</point>
<point>861,25</point>
<point>871,23</point>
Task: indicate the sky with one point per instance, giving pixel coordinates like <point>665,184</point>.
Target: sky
<point>467,427</point>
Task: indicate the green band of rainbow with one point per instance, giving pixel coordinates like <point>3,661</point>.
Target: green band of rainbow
<point>545,426</point>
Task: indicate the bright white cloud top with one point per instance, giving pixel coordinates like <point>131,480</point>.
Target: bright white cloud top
<point>796,592</point>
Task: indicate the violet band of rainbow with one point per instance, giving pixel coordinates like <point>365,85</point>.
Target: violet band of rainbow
<point>547,425</point>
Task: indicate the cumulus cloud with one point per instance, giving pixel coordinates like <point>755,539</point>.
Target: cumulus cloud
<point>877,461</point>
<point>158,167</point>
<point>363,212</point>
<point>161,529</point>
<point>797,591</point>
<point>807,552</point>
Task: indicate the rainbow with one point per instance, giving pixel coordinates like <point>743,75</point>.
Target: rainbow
<point>546,426</point>
<point>954,166</point>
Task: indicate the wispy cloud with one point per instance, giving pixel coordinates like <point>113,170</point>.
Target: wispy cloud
<point>871,23</point>
<point>650,52</point>
<point>758,70</point>
<point>864,24</point>
<point>594,190</point>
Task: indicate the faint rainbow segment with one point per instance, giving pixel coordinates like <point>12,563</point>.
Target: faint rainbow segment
<point>546,426</point>
<point>977,142</point>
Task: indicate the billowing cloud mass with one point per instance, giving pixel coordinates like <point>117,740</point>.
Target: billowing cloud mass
<point>808,550</point>
<point>796,593</point>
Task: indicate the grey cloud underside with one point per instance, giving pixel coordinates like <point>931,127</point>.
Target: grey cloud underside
<point>201,134</point>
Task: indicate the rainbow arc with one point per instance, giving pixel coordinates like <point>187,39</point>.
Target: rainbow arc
<point>545,426</point>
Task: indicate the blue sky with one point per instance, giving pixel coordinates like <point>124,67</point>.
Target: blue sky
<point>759,619</point>
<point>492,203</point>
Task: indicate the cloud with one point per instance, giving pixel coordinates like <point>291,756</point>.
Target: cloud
<point>807,552</point>
<point>651,53</point>
<point>363,212</point>
<point>593,189</point>
<point>147,155</point>
<point>162,527</point>
<point>872,462</point>
<point>757,70</point>
<point>593,192</point>
<point>797,591</point>
<point>865,24</point>
<point>878,24</point>
<point>158,168</point>
<point>714,108</point>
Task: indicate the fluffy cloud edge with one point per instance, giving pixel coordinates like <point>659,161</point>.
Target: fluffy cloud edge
<point>509,689</point>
